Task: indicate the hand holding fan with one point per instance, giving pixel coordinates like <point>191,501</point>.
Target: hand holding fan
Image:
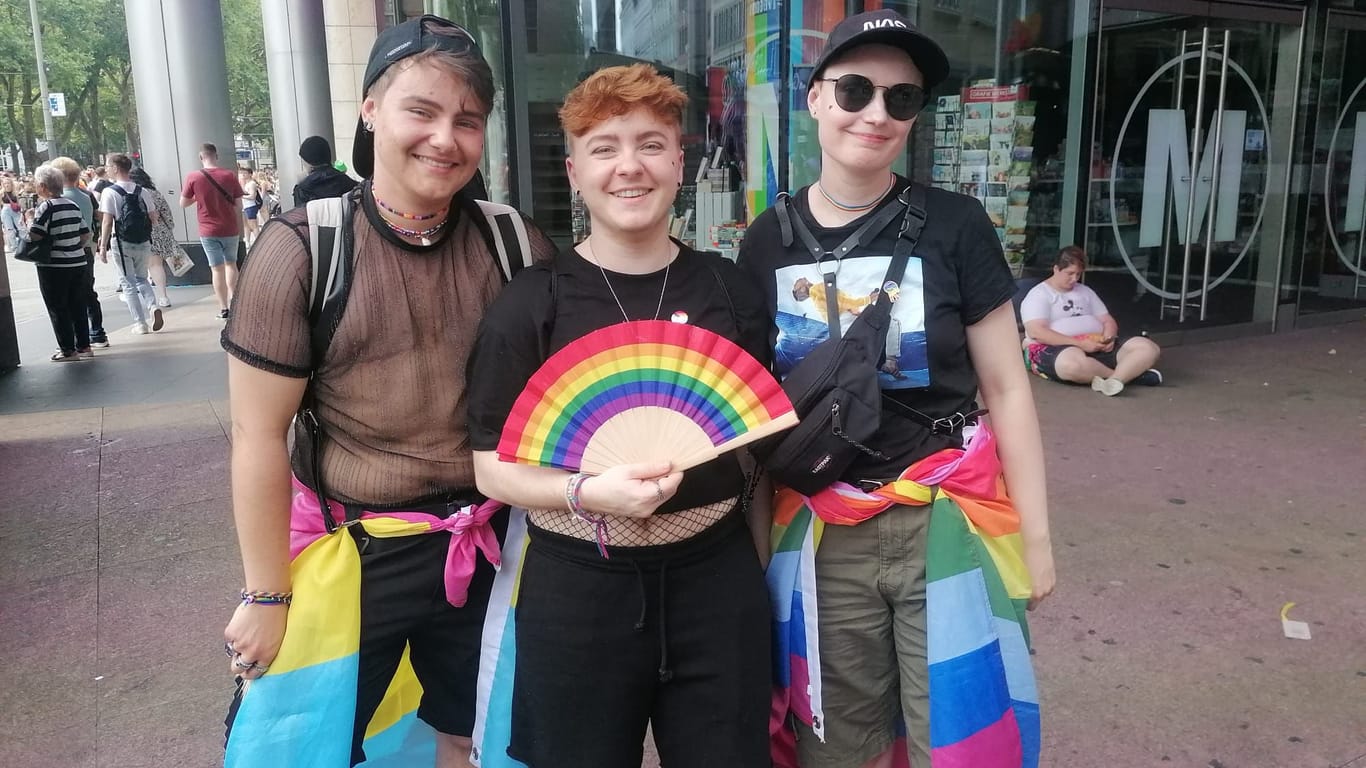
<point>647,390</point>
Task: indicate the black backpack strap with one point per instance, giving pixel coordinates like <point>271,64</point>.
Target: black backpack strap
<point>509,240</point>
<point>332,251</point>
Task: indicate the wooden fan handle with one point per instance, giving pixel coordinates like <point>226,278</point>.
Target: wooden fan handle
<point>780,424</point>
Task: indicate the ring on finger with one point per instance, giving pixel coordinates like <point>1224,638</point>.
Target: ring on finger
<point>659,490</point>
<point>228,649</point>
<point>243,665</point>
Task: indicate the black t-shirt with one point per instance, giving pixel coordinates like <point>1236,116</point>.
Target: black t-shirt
<point>547,306</point>
<point>956,276</point>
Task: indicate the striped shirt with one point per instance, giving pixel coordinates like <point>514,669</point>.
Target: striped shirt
<point>60,220</point>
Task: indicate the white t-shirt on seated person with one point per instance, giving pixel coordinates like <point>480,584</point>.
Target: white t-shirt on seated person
<point>1071,313</point>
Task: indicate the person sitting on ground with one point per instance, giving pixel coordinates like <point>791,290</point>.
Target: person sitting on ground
<point>1071,336</point>
<point>323,180</point>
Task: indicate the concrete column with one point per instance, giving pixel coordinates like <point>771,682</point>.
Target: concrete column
<point>350,28</point>
<point>181,73</point>
<point>300,93</point>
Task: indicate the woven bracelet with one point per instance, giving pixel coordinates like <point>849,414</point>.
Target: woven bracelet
<point>267,598</point>
<point>572,497</point>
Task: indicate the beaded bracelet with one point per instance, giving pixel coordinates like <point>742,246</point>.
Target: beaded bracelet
<point>572,497</point>
<point>267,598</point>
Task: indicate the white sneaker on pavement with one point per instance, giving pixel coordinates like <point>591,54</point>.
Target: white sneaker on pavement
<point>138,329</point>
<point>1108,387</point>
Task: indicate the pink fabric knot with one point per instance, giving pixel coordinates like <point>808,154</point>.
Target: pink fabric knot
<point>470,534</point>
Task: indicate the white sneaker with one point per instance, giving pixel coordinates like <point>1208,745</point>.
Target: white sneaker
<point>139,329</point>
<point>163,302</point>
<point>1108,387</point>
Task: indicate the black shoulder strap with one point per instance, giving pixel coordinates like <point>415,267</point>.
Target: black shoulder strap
<point>332,252</point>
<point>214,182</point>
<point>509,240</point>
<point>913,197</point>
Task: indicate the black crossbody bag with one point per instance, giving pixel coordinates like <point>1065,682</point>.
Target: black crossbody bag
<point>835,389</point>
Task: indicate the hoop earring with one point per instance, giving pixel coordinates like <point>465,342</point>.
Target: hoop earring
<point>369,126</point>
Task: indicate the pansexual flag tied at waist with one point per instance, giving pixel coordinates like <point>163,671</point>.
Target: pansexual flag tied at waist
<point>984,706</point>
<point>302,712</point>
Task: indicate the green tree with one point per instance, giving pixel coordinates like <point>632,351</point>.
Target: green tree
<point>248,87</point>
<point>85,44</point>
<point>86,50</point>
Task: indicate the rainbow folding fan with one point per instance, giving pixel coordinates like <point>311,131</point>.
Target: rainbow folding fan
<point>647,390</point>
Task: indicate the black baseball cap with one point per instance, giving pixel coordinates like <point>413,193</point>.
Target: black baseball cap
<point>393,44</point>
<point>889,28</point>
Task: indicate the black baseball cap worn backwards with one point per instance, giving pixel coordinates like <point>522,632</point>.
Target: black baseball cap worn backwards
<point>392,45</point>
<point>888,28</point>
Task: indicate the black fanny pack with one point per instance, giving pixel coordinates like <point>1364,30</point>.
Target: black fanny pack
<point>835,389</point>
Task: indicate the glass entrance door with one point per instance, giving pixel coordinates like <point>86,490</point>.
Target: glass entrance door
<point>1334,245</point>
<point>1186,202</point>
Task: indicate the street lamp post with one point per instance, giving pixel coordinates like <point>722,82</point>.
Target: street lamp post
<point>42,80</point>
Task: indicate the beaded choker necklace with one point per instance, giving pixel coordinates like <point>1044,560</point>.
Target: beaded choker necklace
<point>854,208</point>
<point>408,216</point>
<point>424,236</point>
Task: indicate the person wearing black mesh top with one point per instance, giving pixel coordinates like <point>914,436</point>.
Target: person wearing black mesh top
<point>389,392</point>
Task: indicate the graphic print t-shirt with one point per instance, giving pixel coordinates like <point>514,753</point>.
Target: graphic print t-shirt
<point>956,276</point>
<point>1072,313</point>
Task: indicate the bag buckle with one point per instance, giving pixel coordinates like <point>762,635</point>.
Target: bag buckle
<point>948,424</point>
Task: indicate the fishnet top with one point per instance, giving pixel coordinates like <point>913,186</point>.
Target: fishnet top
<point>390,392</point>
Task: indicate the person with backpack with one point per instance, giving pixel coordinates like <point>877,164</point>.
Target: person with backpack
<point>128,213</point>
<point>322,180</point>
<point>891,500</point>
<point>218,200</point>
<point>357,314</point>
<point>642,600</point>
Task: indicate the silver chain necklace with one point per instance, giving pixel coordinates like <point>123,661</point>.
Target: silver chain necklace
<point>658,307</point>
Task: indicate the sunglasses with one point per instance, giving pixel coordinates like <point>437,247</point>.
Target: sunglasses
<point>854,92</point>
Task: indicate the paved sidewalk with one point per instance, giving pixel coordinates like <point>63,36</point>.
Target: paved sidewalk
<point>1184,517</point>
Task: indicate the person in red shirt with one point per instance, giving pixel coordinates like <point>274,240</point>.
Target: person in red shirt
<point>219,198</point>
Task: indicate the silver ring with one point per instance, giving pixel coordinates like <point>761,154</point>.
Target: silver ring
<point>659,491</point>
<point>228,649</point>
<point>245,666</point>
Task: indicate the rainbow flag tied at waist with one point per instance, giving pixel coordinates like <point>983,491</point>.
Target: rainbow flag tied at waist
<point>302,712</point>
<point>984,706</point>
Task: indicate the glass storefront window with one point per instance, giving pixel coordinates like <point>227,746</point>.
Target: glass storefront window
<point>705,46</point>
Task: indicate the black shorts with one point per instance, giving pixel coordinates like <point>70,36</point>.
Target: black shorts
<point>1042,359</point>
<point>674,636</point>
<point>403,603</point>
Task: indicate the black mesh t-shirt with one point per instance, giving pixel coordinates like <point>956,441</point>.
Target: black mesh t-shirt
<point>956,276</point>
<point>390,392</point>
<point>548,306</point>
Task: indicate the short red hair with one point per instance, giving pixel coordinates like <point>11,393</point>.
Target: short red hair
<point>614,91</point>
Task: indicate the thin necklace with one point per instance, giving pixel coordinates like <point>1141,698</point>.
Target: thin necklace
<point>423,235</point>
<point>659,306</point>
<point>855,208</point>
<point>408,216</point>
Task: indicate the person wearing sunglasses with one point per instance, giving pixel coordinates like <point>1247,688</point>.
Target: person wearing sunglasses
<point>952,333</point>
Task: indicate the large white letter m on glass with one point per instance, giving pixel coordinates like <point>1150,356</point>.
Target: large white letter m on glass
<point>1169,148</point>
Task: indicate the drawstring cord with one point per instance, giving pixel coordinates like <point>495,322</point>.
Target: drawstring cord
<point>640,583</point>
<point>665,674</point>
